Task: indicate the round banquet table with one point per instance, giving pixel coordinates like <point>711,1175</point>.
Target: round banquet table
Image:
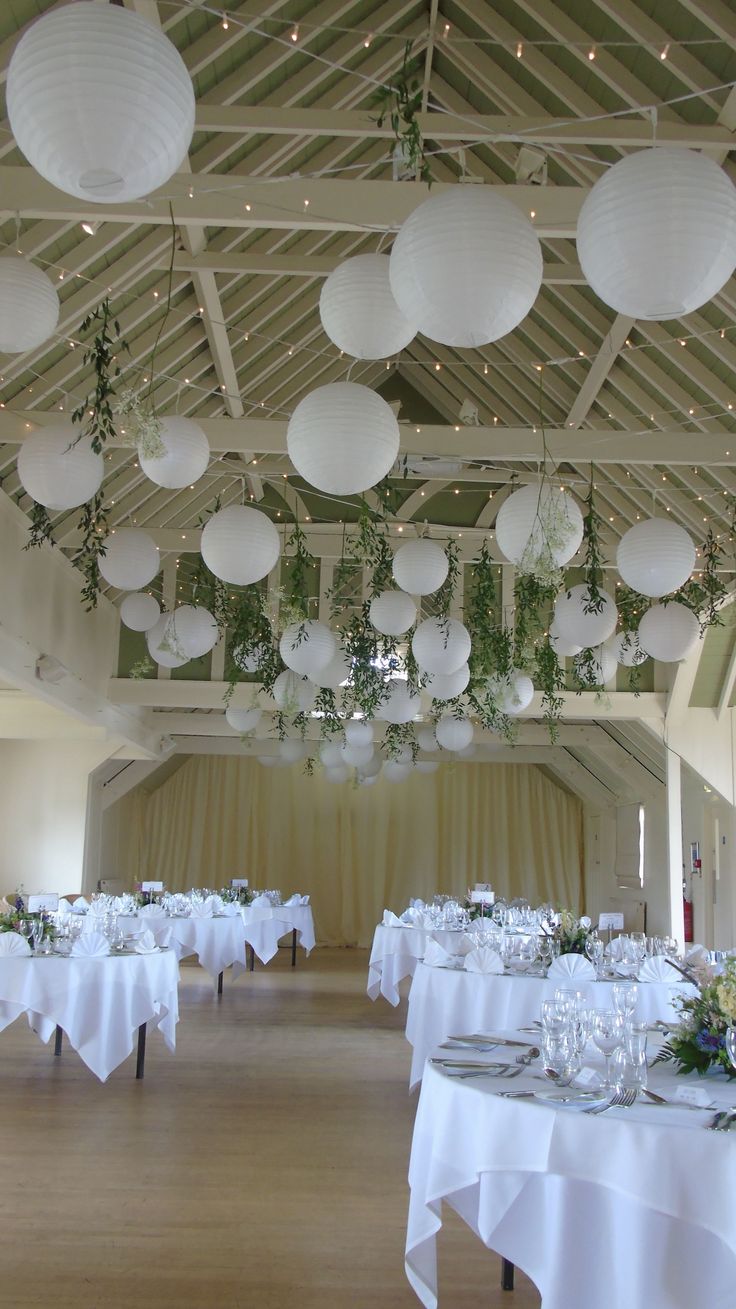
<point>100,1004</point>
<point>446,1001</point>
<point>265,926</point>
<point>396,952</point>
<point>631,1208</point>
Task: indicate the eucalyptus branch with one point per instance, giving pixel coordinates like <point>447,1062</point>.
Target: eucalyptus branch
<point>397,737</point>
<point>443,597</point>
<point>705,595</point>
<point>94,529</point>
<point>550,678</point>
<point>593,556</point>
<point>96,412</point>
<point>41,527</point>
<point>400,101</point>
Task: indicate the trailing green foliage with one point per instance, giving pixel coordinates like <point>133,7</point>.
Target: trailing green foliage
<point>94,529</point>
<point>400,100</point>
<point>41,527</point>
<point>593,553</point>
<point>95,414</point>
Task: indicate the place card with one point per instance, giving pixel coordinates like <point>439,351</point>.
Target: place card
<point>694,1095</point>
<point>152,886</point>
<point>237,882</point>
<point>482,897</point>
<point>587,1077</point>
<point>48,903</point>
<point>610,922</point>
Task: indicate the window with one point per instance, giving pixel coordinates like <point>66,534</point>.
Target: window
<point>630,846</point>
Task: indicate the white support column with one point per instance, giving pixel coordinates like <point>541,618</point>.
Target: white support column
<point>674,846</point>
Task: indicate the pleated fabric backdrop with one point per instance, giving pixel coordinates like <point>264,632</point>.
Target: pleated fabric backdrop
<point>358,850</point>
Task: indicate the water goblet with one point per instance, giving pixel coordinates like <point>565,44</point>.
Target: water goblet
<point>562,1057</point>
<point>607,1035</point>
<point>624,996</point>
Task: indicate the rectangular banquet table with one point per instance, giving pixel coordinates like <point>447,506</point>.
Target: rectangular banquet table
<point>100,1004</point>
<point>631,1209</point>
<point>443,1001</point>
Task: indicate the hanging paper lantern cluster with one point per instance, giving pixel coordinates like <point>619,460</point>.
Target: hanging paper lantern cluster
<point>240,545</point>
<point>393,612</point>
<point>139,612</point>
<point>420,567</point>
<point>307,647</point>
<point>441,645</point>
<point>131,559</point>
<point>343,438</point>
<point>29,305</point>
<point>187,454</point>
<point>59,469</point>
<point>539,521</point>
<point>358,310</point>
<point>655,557</point>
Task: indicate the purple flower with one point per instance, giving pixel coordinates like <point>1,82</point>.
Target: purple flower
<point>708,1043</point>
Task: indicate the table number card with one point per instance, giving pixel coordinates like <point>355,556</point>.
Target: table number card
<point>152,886</point>
<point>237,882</point>
<point>482,894</point>
<point>38,904</point>
<point>610,922</point>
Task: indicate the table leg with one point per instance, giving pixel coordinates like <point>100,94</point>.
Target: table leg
<point>507,1275</point>
<point>293,948</point>
<point>141,1060</point>
<point>57,1040</point>
<point>219,984</point>
<point>252,958</point>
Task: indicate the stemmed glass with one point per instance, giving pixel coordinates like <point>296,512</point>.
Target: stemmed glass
<point>624,996</point>
<point>36,933</point>
<point>731,1045</point>
<point>607,1035</point>
<point>594,949</point>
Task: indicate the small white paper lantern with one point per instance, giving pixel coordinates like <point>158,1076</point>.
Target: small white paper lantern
<point>372,768</point>
<point>293,693</point>
<point>357,756</point>
<point>403,755</point>
<point>669,632</point>
<point>131,559</point>
<point>358,310</point>
<point>394,771</point>
<point>446,686</point>
<point>307,647</point>
<point>336,673</point>
<point>427,740</point>
<point>57,470</point>
<point>29,305</point>
<point>519,693</point>
<point>420,567</point>
<point>626,649</point>
<point>366,779</point>
<point>343,438</point>
<point>655,557</point>
<point>139,612</point>
<point>600,670</point>
<point>585,629</point>
<point>186,458</point>
<point>539,523</point>
<point>426,766</point>
<point>240,545</point>
<point>393,612</point>
<point>292,750</point>
<point>656,236</point>
<point>359,732</point>
<point>243,720</point>
<point>196,632</point>
<point>399,706</point>
<point>249,661</point>
<point>338,773</point>
<point>563,648</point>
<point>454,733</point>
<point>441,645</point>
<point>162,645</point>
<point>330,752</point>
<point>100,102</point>
<point>269,760</point>
<point>466,266</point>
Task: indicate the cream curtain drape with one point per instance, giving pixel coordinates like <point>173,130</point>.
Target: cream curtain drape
<point>358,850</point>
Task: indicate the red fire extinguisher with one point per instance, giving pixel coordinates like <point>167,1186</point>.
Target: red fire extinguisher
<point>687,910</point>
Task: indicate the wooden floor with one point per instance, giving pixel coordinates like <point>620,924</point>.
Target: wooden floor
<point>264,1165</point>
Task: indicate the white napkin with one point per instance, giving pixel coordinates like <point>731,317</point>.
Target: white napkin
<point>614,949</point>
<point>13,943</point>
<point>435,956</point>
<point>658,970</point>
<point>294,899</point>
<point>146,943</point>
<point>65,906</point>
<point>230,910</point>
<point>92,946</point>
<point>467,943</point>
<point>152,910</point>
<point>697,954</point>
<point>391,919</point>
<point>483,960</point>
<point>572,965</point>
<point>261,902</point>
<point>80,905</point>
<point>201,908</point>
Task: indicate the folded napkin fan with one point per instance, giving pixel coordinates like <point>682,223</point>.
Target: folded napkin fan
<point>658,970</point>
<point>483,960</point>
<point>65,906</point>
<point>261,902</point>
<point>435,956</point>
<point>92,946</point>
<point>152,910</point>
<point>201,909</point>
<point>146,943</point>
<point>80,905</point>
<point>391,919</point>
<point>13,943</point>
<point>230,910</point>
<point>572,965</point>
<point>297,899</point>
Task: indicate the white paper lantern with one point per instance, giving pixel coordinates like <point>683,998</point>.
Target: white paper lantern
<point>330,752</point>
<point>427,740</point>
<point>100,102</point>
<point>57,470</point>
<point>357,756</point>
<point>249,661</point>
<point>466,266</point>
<point>339,773</point>
<point>399,706</point>
<point>139,612</point>
<point>240,545</point>
<point>454,733</point>
<point>343,438</point>
<point>29,305</point>
<point>403,755</point>
<point>393,771</point>
<point>656,235</point>
<point>358,310</point>
<point>359,732</point>
<point>243,720</point>
<point>307,647</point>
<point>420,567</point>
<point>563,648</point>
<point>669,632</point>
<point>131,559</point>
<point>446,686</point>
<point>367,779</point>
<point>626,649</point>
<point>336,673</point>
<point>160,635</point>
<point>426,766</point>
<point>373,767</point>
<point>393,612</point>
<point>539,523</point>
<point>186,458</point>
<point>519,693</point>
<point>269,760</point>
<point>600,670</point>
<point>293,693</point>
<point>655,557</point>
<point>292,750</point>
<point>586,629</point>
<point>196,632</point>
<point>441,645</point>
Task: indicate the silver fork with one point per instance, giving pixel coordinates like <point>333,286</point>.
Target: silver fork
<point>723,1120</point>
<point>621,1100</point>
<point>506,1072</point>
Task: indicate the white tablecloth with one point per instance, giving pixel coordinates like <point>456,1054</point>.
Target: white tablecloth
<point>395,953</point>
<point>443,1001</point>
<point>630,1208</point>
<point>217,942</point>
<point>99,1003</point>
<point>265,927</point>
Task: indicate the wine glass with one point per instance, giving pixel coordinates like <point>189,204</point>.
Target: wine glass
<point>731,1045</point>
<point>624,996</point>
<point>36,934</point>
<point>607,1035</point>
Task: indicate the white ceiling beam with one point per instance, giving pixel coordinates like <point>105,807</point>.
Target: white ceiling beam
<point>599,370</point>
<point>265,265</point>
<point>727,686</point>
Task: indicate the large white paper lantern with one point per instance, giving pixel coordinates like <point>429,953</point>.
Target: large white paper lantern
<point>293,750</point>
<point>100,102</point>
<point>292,693</point>
<point>427,740</point>
<point>539,523</point>
<point>585,629</point>
<point>139,612</point>
<point>441,645</point>
<point>58,470</point>
<point>420,567</point>
<point>393,612</point>
<point>162,646</point>
<point>445,686</point>
<point>29,305</point>
<point>240,545</point>
<point>357,756</point>
<point>243,720</point>
<point>563,648</point>
<point>394,771</point>
<point>359,732</point>
<point>626,649</point>
<point>399,706</point>
<point>466,266</point>
<point>598,671</point>
<point>343,438</point>
<point>186,458</point>
<point>358,310</point>
<point>337,773</point>
<point>454,733</point>
<point>335,673</point>
<point>330,752</point>
<point>655,557</point>
<point>657,234</point>
<point>307,647</point>
<point>372,768</point>
<point>426,766</point>
<point>669,632</point>
<point>196,630</point>
<point>131,559</point>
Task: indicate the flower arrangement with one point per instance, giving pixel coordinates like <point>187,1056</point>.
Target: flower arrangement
<point>699,1041</point>
<point>570,932</point>
<point>16,913</point>
<point>236,895</point>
